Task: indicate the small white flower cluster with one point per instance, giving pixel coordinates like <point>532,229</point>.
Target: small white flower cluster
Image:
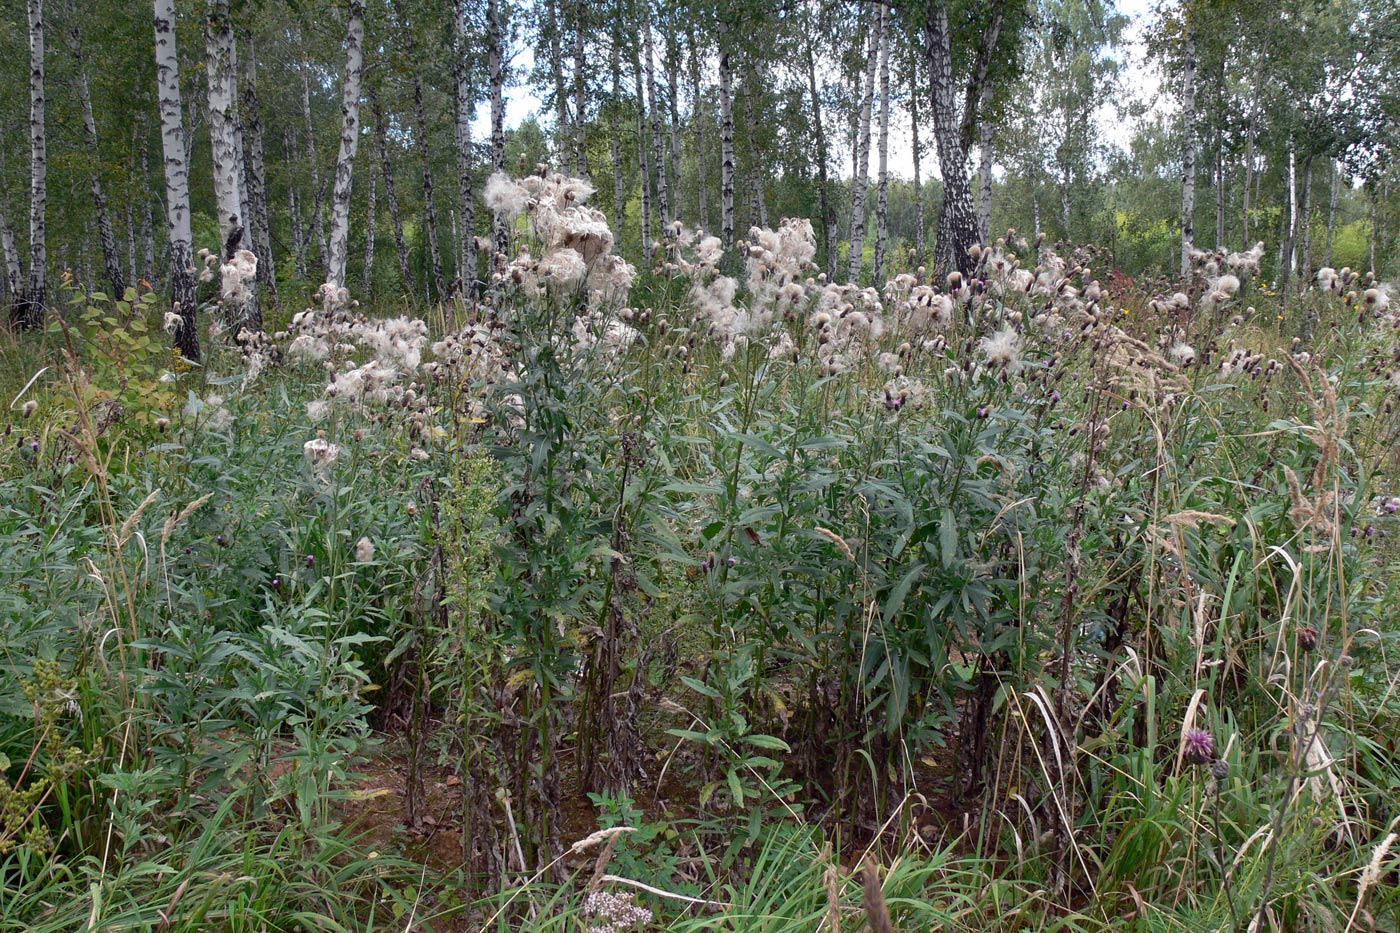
<point>777,289</point>
<point>1181,353</point>
<point>904,392</point>
<point>576,243</point>
<point>606,912</point>
<point>1002,350</point>
<point>1374,296</point>
<point>1239,361</point>
<point>207,261</point>
<point>219,417</point>
<point>776,264</point>
<point>238,277</point>
<point>476,355</point>
<point>1245,262</point>
<point>919,310</point>
<point>1220,290</point>
<point>320,453</point>
<point>848,320</point>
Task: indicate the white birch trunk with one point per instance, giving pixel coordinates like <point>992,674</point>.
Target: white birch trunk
<point>1188,153</point>
<point>658,146</point>
<point>758,212</point>
<point>1332,209</point>
<point>1219,193</point>
<point>673,107</point>
<point>218,37</point>
<point>13,273</point>
<point>36,295</point>
<point>823,182</point>
<point>615,144</point>
<point>129,212</point>
<point>349,143</point>
<point>318,191</point>
<point>984,171</point>
<point>919,229</point>
<point>177,179</point>
<point>643,153</point>
<point>726,132</point>
<point>148,239</point>
<point>371,204</point>
<point>860,183</point>
<point>300,232</point>
<point>580,99</point>
<point>495,55</point>
<point>110,260</point>
<point>430,220</point>
<point>392,196</point>
<point>697,117</point>
<point>882,197</point>
<point>462,127</point>
<point>232,208</point>
<point>1304,265</point>
<point>255,174</point>
<point>562,130</point>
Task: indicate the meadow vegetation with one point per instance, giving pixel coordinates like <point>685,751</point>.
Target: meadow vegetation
<point>712,595</point>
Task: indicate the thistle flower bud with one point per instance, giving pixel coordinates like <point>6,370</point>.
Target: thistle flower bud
<point>1200,746</point>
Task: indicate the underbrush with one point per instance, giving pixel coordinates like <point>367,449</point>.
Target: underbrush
<point>1001,604</point>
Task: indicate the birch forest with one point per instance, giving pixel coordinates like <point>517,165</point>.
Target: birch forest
<point>748,465</point>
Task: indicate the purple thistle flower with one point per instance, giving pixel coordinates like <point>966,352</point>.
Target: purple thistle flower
<point>1200,746</point>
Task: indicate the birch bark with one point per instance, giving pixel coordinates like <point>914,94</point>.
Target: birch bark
<point>726,124</point>
<point>110,260</point>
<point>882,197</point>
<point>462,126</point>
<point>31,310</point>
<point>349,143</point>
<point>1188,153</point>
<point>177,180</point>
<point>391,195</point>
<point>860,183</point>
<point>495,63</point>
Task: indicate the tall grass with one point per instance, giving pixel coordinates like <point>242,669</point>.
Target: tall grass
<point>1075,630</point>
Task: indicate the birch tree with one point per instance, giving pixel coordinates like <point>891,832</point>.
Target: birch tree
<point>495,57</point>
<point>13,274</point>
<point>177,180</point>
<point>110,260</point>
<point>919,231</point>
<point>697,119</point>
<point>229,194</point>
<point>828,220</point>
<point>643,152</point>
<point>615,144</point>
<point>726,132</point>
<point>957,222</point>
<point>658,159</point>
<point>462,128</point>
<point>580,102</point>
<point>391,194</point>
<point>882,199</point>
<point>349,143</point>
<point>30,311</point>
<point>860,183</point>
<point>1188,149</point>
<point>255,176</point>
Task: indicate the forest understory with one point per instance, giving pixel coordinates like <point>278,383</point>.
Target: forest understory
<point>663,510</point>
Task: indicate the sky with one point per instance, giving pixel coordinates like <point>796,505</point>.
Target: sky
<point>1140,82</point>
